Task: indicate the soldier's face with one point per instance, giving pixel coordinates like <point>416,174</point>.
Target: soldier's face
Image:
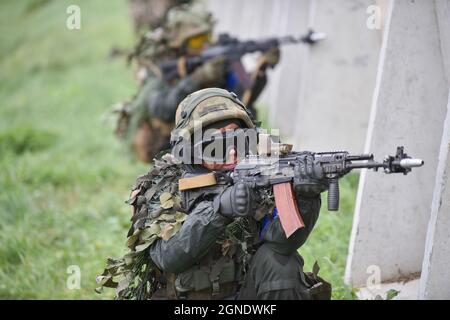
<point>231,157</point>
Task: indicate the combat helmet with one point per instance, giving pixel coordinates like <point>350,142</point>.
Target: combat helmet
<point>152,48</point>
<point>200,110</point>
<point>187,21</point>
<point>208,106</point>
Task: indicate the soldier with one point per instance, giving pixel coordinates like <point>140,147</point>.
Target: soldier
<point>147,120</point>
<point>151,13</point>
<point>192,238</point>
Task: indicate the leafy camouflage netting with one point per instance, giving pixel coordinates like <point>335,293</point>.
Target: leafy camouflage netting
<point>160,216</point>
<point>157,214</point>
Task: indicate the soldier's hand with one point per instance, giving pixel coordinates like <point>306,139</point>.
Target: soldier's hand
<point>310,180</point>
<point>211,73</point>
<point>271,57</point>
<point>236,201</point>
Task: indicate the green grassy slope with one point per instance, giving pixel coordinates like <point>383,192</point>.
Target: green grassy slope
<point>63,175</point>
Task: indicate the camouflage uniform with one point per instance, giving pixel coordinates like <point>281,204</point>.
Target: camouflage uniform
<point>187,245</point>
<point>146,121</point>
<point>149,118</point>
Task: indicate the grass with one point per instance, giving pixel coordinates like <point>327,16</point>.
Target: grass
<point>63,175</point>
<point>328,242</point>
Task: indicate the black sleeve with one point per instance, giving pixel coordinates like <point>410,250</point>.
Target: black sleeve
<point>163,103</point>
<point>259,84</point>
<point>196,236</point>
<point>275,237</point>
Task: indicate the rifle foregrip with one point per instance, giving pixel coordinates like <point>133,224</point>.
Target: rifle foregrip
<point>333,195</point>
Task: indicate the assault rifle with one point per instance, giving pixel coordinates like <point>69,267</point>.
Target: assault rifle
<point>233,49</point>
<point>280,172</point>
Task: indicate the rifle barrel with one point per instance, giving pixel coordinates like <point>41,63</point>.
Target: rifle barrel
<point>366,165</point>
<point>359,157</point>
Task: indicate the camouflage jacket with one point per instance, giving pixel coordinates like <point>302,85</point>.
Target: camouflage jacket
<point>183,237</point>
<point>155,98</point>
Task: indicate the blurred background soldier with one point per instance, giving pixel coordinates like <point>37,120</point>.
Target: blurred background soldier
<point>151,13</point>
<point>146,121</point>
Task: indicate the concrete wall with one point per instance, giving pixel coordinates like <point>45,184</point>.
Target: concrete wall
<point>435,278</point>
<point>258,19</point>
<point>330,84</point>
<point>334,106</point>
<point>410,102</point>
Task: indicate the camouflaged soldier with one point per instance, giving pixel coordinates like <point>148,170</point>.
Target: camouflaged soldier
<point>151,13</point>
<point>146,122</point>
<point>197,238</point>
<point>188,36</point>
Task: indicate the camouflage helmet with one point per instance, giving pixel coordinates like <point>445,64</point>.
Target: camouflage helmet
<point>186,21</point>
<point>205,107</point>
<point>152,48</point>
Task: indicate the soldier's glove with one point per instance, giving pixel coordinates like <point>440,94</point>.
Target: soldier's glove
<point>212,73</point>
<point>271,57</point>
<point>309,180</point>
<point>235,201</point>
